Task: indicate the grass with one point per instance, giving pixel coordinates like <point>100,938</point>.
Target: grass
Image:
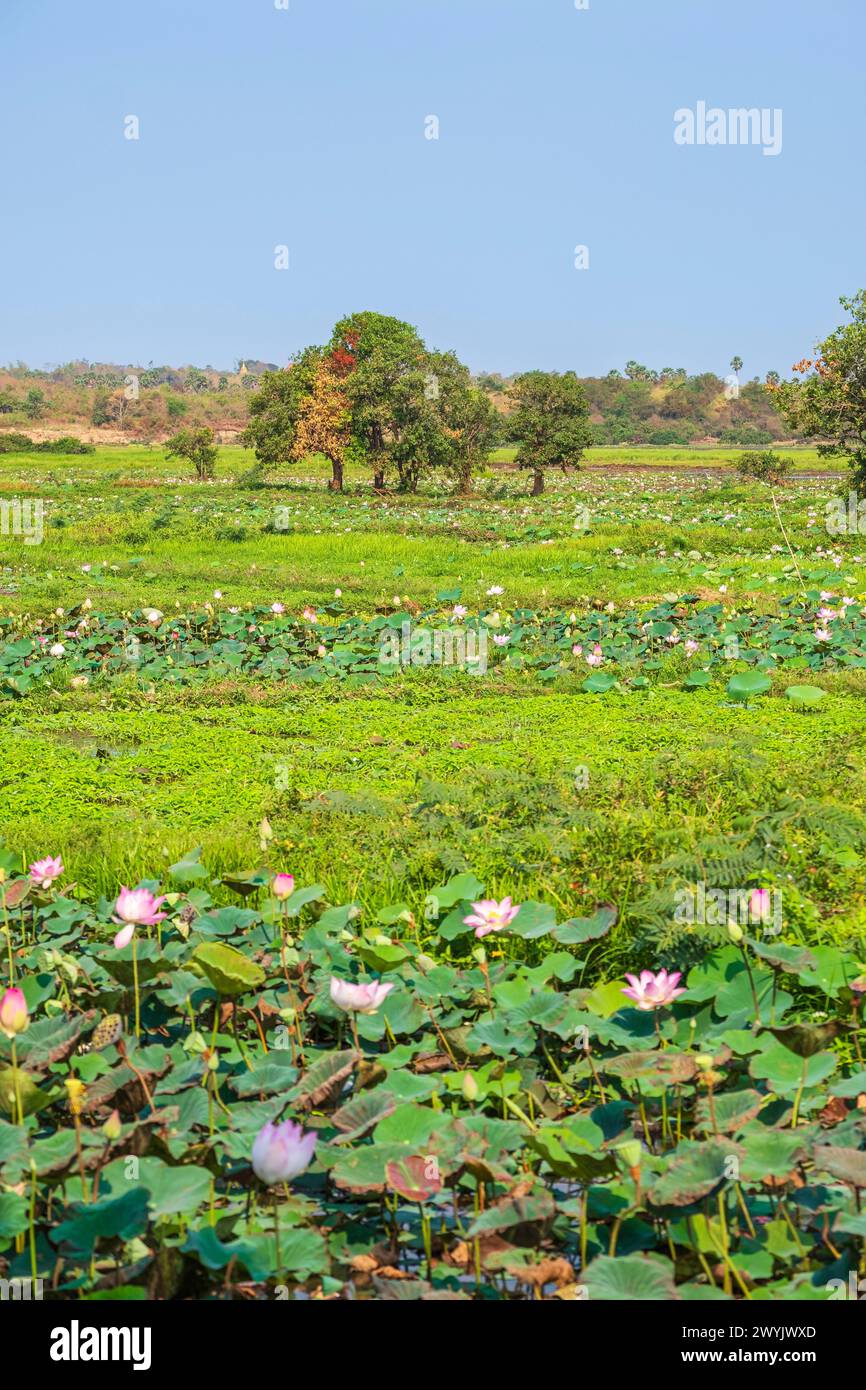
<point>376,792</point>
<point>123,781</point>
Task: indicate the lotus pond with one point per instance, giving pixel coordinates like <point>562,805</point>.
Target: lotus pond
<point>336,971</point>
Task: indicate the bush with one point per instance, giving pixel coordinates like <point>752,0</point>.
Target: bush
<point>745,434</point>
<point>765,467</point>
<point>198,447</point>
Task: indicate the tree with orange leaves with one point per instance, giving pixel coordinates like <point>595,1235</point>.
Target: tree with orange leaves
<point>323,424</point>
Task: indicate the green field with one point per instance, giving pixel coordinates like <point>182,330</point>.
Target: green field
<point>194,697</point>
<point>129,769</point>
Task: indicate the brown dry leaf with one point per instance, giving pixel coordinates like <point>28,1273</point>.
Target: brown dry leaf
<point>463,1253</point>
<point>834,1111</point>
<point>550,1271</point>
<point>432,1061</point>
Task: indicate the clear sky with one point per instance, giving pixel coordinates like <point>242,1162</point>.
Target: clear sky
<point>305,127</point>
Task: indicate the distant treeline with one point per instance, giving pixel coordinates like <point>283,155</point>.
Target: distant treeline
<point>638,405</point>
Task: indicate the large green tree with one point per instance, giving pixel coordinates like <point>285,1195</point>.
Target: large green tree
<point>827,401</point>
<point>376,394</point>
<point>275,407</point>
<point>387,387</point>
<point>551,420</point>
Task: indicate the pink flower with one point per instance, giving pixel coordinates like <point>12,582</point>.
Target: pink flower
<point>278,608</point>
<point>137,907</point>
<point>495,589</point>
<point>283,886</point>
<point>13,1012</point>
<point>458,611</point>
<point>44,871</point>
<point>358,999</point>
<point>309,614</point>
<point>653,991</point>
<point>595,657</point>
<point>489,915</point>
<point>690,647</point>
<point>501,640</point>
<point>282,1152</point>
<point>760,906</point>
<point>822,634</point>
<point>577,650</point>
<point>124,936</point>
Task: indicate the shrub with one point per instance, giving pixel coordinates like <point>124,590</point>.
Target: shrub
<point>765,467</point>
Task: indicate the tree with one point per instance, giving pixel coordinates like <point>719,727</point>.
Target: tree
<point>829,403</point>
<point>466,414</point>
<point>764,467</point>
<point>34,403</point>
<point>385,382</point>
<point>551,419</point>
<point>196,445</point>
<point>374,393</point>
<point>7,402</point>
<point>323,420</point>
<point>736,365</point>
<point>275,408</point>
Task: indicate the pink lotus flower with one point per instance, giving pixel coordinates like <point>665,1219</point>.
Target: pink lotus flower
<point>458,611</point>
<point>358,999</point>
<point>501,639</point>
<point>124,936</point>
<point>653,991</point>
<point>690,647</point>
<point>44,871</point>
<point>137,907</point>
<point>760,905</point>
<point>14,1017</point>
<point>283,886</point>
<point>282,1152</point>
<point>310,615</point>
<point>577,649</point>
<point>278,608</point>
<point>822,634</point>
<point>489,916</point>
<point>595,657</point>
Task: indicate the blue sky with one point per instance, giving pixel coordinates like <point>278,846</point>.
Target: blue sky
<point>305,127</point>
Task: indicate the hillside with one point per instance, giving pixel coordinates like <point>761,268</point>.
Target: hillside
<point>111,403</point>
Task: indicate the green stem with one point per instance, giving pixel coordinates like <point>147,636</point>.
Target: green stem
<point>135,987</point>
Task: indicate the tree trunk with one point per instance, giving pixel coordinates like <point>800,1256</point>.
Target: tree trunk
<point>379,479</point>
<point>537,484</point>
<point>336,483</point>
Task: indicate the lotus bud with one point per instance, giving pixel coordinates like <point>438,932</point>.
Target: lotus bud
<point>283,886</point>
<point>112,1127</point>
<point>735,932</point>
<point>14,1016</point>
<point>470,1087</point>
